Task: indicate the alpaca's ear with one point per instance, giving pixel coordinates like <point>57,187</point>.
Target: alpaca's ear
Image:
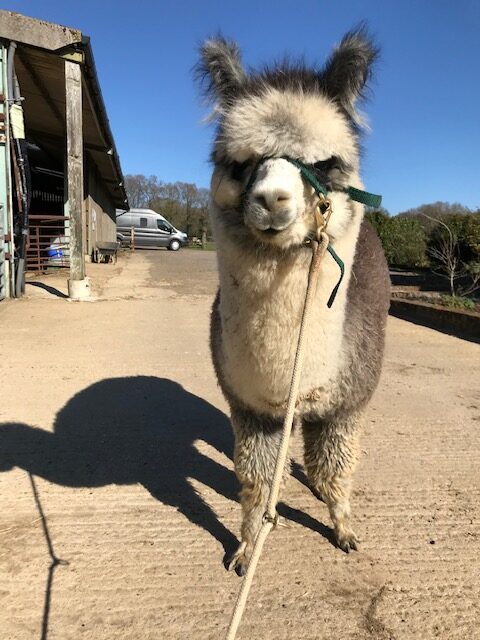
<point>349,68</point>
<point>221,70</point>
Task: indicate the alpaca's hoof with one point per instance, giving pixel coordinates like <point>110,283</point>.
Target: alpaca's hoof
<point>239,561</point>
<point>347,541</point>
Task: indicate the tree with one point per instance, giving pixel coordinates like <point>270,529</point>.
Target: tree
<point>436,210</point>
<point>169,205</point>
<point>141,190</point>
<point>444,251</point>
<point>454,247</point>
<point>188,197</point>
<point>182,203</point>
<point>203,200</point>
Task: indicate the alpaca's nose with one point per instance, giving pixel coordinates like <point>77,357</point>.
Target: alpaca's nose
<point>272,200</point>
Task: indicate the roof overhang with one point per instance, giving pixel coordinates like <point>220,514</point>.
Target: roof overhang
<point>42,49</point>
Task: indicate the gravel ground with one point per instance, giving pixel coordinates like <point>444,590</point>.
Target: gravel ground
<point>118,499</point>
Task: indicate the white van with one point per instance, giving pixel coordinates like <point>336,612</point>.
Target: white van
<point>150,230</point>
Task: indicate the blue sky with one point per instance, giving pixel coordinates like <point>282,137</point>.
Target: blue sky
<point>424,111</point>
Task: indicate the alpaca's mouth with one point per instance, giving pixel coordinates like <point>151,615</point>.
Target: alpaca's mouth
<point>271,231</point>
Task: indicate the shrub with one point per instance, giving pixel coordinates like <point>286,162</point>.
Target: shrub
<point>457,302</point>
<point>403,239</point>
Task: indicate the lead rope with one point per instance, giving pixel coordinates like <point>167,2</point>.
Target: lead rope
<point>270,519</point>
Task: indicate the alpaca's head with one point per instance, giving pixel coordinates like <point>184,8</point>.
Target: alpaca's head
<point>306,114</point>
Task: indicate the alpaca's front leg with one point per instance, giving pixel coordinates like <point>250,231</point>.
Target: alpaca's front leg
<point>257,440</point>
<point>330,456</point>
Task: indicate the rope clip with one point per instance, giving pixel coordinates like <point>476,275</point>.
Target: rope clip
<point>275,520</point>
<point>322,212</point>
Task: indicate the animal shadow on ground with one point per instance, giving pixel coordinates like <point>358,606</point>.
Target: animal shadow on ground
<point>127,431</point>
<point>143,430</point>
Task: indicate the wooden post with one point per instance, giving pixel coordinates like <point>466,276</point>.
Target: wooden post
<point>78,285</point>
<point>132,239</point>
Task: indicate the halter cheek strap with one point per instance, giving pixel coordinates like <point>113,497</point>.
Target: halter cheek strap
<point>364,197</point>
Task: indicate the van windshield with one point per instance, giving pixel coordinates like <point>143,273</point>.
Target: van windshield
<point>164,225</point>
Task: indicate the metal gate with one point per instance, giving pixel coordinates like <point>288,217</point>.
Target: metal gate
<point>48,245</point>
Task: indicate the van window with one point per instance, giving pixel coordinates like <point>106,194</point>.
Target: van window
<point>144,222</point>
<point>164,226</point>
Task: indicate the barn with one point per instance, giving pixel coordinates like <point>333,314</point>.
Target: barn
<point>60,174</point>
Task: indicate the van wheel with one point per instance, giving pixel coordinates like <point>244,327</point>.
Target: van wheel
<point>174,245</point>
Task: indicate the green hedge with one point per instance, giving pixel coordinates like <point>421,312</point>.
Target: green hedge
<point>408,238</point>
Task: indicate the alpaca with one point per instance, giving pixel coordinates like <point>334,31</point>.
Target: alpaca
<point>261,211</point>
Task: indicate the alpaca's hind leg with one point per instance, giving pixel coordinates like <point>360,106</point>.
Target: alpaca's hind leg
<point>257,439</point>
<point>330,457</point>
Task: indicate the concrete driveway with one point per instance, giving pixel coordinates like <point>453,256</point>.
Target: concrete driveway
<point>118,499</point>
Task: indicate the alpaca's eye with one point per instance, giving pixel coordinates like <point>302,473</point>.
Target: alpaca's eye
<point>327,165</point>
<point>237,170</point>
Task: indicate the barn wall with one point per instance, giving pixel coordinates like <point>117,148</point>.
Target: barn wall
<point>100,219</point>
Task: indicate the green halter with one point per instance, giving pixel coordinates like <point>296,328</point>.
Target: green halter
<point>364,197</point>
<point>369,199</point>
